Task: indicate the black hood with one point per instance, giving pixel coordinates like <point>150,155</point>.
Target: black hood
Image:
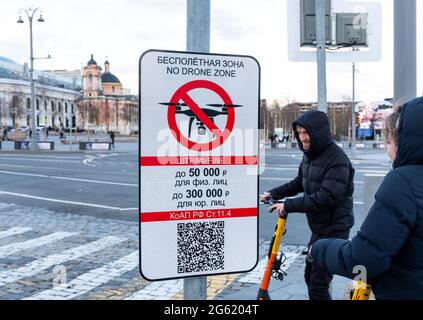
<point>410,134</point>
<point>317,125</point>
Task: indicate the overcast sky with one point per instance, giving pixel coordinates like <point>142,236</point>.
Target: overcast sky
<point>122,30</point>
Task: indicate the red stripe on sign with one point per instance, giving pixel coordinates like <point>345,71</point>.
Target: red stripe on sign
<point>198,214</point>
<point>198,161</point>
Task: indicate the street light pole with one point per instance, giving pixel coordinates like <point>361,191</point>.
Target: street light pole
<point>30,14</point>
<point>353,120</point>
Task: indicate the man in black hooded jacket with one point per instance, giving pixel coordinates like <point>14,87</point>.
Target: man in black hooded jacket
<point>325,177</point>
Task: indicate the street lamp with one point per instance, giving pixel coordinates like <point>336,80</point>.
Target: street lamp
<point>30,14</point>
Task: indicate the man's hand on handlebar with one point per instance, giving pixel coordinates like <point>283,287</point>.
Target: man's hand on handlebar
<point>274,204</point>
<point>265,197</point>
<point>280,209</point>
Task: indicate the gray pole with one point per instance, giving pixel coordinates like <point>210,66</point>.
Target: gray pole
<point>405,50</point>
<point>34,137</point>
<point>321,53</point>
<point>198,40</point>
<point>353,132</point>
<point>198,25</point>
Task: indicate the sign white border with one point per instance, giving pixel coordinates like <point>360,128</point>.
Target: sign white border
<point>236,242</point>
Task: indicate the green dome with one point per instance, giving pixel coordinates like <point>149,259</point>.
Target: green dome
<point>108,77</point>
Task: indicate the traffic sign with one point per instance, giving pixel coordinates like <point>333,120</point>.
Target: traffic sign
<point>199,117</point>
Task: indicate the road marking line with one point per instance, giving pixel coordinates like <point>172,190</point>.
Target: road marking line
<point>90,280</point>
<point>95,181</point>
<point>289,179</point>
<point>107,155</point>
<point>372,171</point>
<point>89,159</point>
<point>13,248</point>
<point>67,178</point>
<point>268,165</point>
<point>18,166</point>
<point>41,157</point>
<point>380,167</point>
<point>276,179</point>
<point>281,169</point>
<point>73,169</point>
<point>24,174</point>
<point>296,169</point>
<point>13,231</point>
<point>61,201</point>
<point>41,160</point>
<point>33,268</point>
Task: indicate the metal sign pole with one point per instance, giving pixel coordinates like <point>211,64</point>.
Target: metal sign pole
<point>198,40</point>
<point>321,53</point>
<point>405,50</point>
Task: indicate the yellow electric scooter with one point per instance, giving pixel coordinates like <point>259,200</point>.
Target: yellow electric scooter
<point>274,263</point>
<point>361,291</point>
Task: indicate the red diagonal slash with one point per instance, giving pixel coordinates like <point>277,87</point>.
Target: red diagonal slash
<point>182,94</point>
<point>201,115</point>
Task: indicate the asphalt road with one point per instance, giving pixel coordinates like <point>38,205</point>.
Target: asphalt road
<point>105,185</point>
<point>98,184</point>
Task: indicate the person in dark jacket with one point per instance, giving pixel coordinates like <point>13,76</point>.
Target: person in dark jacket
<point>389,245</point>
<point>325,177</point>
<point>5,134</point>
<point>112,137</point>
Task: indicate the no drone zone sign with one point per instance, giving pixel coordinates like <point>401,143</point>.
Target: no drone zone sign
<point>198,176</point>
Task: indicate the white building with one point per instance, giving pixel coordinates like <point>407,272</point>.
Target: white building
<point>55,97</point>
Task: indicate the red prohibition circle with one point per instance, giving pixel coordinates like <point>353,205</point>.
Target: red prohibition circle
<point>220,135</point>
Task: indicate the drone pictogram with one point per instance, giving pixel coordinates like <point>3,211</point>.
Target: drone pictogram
<point>211,114</point>
<point>182,102</point>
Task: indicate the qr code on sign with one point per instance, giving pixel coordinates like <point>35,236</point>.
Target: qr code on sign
<point>201,246</point>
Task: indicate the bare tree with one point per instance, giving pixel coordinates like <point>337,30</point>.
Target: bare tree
<point>42,98</point>
<point>135,119</point>
<point>82,111</point>
<point>4,112</point>
<point>17,108</point>
<point>127,115</point>
<point>117,115</point>
<point>105,115</point>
